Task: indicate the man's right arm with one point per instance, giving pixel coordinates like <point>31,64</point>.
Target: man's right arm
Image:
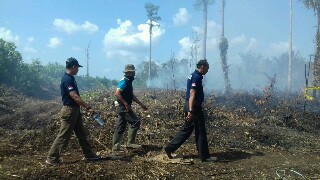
<point>191,103</point>
<point>192,99</point>
<point>79,101</point>
<point>120,98</point>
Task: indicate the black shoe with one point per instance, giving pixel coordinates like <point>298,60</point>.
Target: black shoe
<point>53,163</point>
<point>133,146</point>
<point>92,158</point>
<point>168,153</point>
<point>118,150</point>
<point>211,159</point>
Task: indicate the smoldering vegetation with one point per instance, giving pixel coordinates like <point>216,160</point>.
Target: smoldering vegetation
<point>251,73</point>
<point>262,132</point>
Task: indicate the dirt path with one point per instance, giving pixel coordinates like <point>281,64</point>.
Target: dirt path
<point>232,164</point>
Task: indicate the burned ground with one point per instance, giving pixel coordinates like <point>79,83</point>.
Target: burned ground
<point>253,136</point>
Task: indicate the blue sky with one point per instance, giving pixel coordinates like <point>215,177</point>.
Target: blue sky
<point>54,30</point>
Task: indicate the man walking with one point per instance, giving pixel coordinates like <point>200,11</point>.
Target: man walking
<point>70,117</point>
<point>194,116</point>
<point>125,97</point>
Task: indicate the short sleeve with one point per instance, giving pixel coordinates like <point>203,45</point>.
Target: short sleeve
<point>69,85</point>
<point>122,85</point>
<point>195,82</point>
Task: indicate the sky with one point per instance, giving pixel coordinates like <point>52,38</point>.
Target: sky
<point>117,31</point>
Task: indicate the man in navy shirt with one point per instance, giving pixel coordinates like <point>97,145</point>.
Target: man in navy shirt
<point>125,97</point>
<point>70,116</point>
<point>194,116</point>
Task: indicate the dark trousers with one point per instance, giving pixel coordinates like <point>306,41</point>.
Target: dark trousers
<point>125,117</point>
<point>198,124</point>
<point>71,121</point>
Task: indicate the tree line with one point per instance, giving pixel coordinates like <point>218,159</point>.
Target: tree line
<point>36,79</point>
<point>40,80</point>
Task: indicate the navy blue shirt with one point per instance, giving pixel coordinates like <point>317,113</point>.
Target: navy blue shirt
<point>195,82</point>
<point>125,85</point>
<point>68,84</point>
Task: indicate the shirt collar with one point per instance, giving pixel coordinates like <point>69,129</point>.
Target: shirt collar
<point>69,75</point>
<point>197,72</point>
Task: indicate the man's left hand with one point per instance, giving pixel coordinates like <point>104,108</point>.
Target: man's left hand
<point>91,111</point>
<point>189,116</point>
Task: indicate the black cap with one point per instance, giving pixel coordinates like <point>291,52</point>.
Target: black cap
<point>72,62</point>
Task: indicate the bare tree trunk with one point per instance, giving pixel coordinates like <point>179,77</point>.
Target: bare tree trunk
<point>318,18</point>
<point>204,29</point>
<point>87,54</point>
<point>223,46</point>
<point>172,61</point>
<point>149,80</point>
<point>192,58</point>
<point>152,12</point>
<point>222,32</point>
<point>194,51</point>
<point>290,52</point>
<point>316,65</point>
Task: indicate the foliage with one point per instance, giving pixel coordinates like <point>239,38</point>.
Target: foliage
<point>254,69</point>
<point>10,63</point>
<point>142,75</point>
<point>40,80</point>
<point>152,12</point>
<point>223,46</point>
<point>316,65</point>
<point>312,4</point>
<point>90,96</point>
<point>168,75</point>
<point>173,74</point>
<point>201,4</point>
<point>315,5</point>
<point>36,79</point>
<point>91,83</point>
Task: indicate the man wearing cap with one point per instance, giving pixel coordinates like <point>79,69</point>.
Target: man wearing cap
<point>194,116</point>
<point>70,117</point>
<point>125,97</point>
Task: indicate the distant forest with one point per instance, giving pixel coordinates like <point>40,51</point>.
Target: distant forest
<point>36,79</point>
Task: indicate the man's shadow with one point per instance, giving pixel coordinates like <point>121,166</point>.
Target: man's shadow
<point>145,149</point>
<point>130,153</point>
<point>231,155</point>
<point>234,155</point>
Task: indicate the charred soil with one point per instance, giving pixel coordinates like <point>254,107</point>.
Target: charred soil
<point>253,137</point>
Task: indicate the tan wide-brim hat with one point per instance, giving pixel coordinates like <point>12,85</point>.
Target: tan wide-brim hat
<point>129,68</point>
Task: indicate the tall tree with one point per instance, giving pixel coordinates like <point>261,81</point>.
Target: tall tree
<point>194,51</point>
<point>223,46</point>
<point>290,52</point>
<point>87,55</point>
<point>203,6</point>
<point>172,66</point>
<point>142,73</point>
<point>10,63</point>
<point>153,18</point>
<point>315,5</point>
